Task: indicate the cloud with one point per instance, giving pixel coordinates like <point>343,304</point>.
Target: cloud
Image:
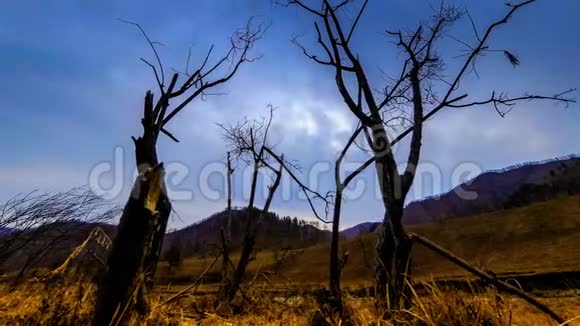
<point>339,120</point>
<point>299,119</point>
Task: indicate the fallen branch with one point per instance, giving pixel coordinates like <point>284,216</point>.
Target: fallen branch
<point>476,271</point>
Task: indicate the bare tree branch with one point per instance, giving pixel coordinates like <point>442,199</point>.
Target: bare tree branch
<point>160,79</point>
<point>510,102</point>
<point>241,43</point>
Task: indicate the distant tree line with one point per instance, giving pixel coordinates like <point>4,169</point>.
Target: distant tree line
<point>277,233</point>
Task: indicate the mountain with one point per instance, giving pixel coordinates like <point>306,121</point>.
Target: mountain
<point>561,182</point>
<point>513,186</point>
<point>55,241</point>
<point>359,229</point>
<point>491,191</point>
<point>275,233</point>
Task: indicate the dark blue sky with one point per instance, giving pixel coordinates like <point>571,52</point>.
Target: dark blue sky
<point>72,85</point>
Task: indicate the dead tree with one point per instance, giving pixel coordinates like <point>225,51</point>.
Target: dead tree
<point>248,141</point>
<point>141,229</point>
<point>420,90</point>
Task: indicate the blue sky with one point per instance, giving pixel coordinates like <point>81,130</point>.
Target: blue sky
<point>72,86</point>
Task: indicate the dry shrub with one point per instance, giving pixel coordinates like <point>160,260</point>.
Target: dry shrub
<point>439,307</point>
<point>46,304</point>
<point>458,308</point>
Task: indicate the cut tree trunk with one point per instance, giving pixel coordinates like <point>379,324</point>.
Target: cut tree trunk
<point>159,229</point>
<point>135,250</point>
<point>123,286</point>
<point>146,158</point>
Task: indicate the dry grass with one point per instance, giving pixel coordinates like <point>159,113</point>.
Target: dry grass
<point>191,268</point>
<point>37,304</point>
<point>538,238</point>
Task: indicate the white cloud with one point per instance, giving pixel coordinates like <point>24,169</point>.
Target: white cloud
<point>339,120</point>
<point>300,119</point>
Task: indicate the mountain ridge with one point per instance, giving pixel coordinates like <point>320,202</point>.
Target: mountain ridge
<point>495,190</point>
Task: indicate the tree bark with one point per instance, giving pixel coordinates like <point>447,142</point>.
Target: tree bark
<point>393,264</point>
<point>226,234</point>
<point>230,289</point>
<point>251,233</point>
<point>393,248</point>
<point>135,250</point>
<point>122,288</point>
<point>245,257</point>
<point>146,157</point>
<point>335,264</point>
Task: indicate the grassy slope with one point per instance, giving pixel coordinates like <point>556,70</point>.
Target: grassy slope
<point>539,238</point>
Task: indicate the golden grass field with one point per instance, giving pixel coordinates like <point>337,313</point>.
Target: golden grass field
<point>34,304</point>
<point>535,239</point>
<point>539,238</point>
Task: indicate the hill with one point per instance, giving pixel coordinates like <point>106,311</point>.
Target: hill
<point>359,229</point>
<point>492,190</point>
<point>276,233</point>
<point>539,238</point>
<point>514,186</point>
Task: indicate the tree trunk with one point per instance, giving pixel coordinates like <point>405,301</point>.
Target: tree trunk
<point>160,227</point>
<point>146,158</point>
<point>135,250</point>
<point>231,288</point>
<point>335,265</point>
<point>226,236</point>
<point>393,264</point>
<point>245,257</point>
<point>123,286</point>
